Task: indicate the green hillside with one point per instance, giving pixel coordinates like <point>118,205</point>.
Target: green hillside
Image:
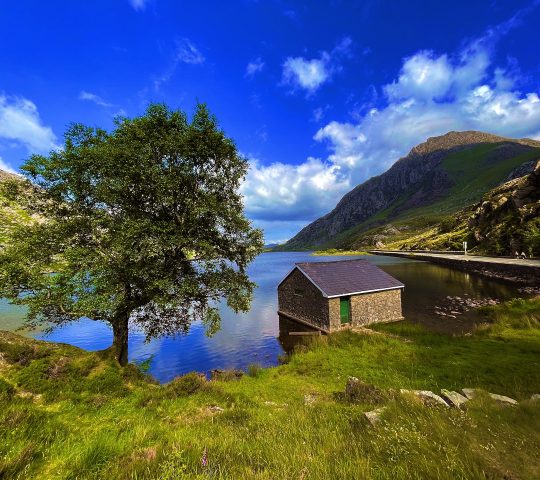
<point>472,173</point>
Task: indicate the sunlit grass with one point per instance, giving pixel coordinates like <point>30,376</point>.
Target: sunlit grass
<point>67,413</point>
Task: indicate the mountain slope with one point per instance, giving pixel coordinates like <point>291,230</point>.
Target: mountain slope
<point>436,178</point>
<point>505,221</point>
<point>15,197</point>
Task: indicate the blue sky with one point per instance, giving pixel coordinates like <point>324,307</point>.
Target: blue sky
<point>319,96</point>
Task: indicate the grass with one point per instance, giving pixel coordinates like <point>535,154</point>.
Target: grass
<point>331,252</point>
<point>67,413</point>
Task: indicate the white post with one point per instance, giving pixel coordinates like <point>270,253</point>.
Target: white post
<point>465,247</point>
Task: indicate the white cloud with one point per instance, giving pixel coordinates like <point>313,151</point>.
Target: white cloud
<point>20,123</point>
<point>187,52</point>
<point>308,74</point>
<point>291,192</point>
<point>299,72</point>
<point>7,168</point>
<point>138,5</point>
<point>431,95</point>
<point>254,67</point>
<point>92,97</point>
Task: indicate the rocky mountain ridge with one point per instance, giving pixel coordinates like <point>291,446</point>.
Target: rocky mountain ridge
<point>424,177</point>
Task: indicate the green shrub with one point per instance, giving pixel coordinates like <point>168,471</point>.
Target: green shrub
<point>185,385</point>
<point>254,370</point>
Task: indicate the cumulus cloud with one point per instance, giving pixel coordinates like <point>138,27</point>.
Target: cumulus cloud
<point>20,124</point>
<point>299,72</point>
<point>92,97</point>
<point>254,67</point>
<point>291,192</point>
<point>433,93</point>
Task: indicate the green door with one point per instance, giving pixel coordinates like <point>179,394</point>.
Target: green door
<point>345,309</point>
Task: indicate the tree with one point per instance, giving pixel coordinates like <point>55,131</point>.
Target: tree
<point>142,225</point>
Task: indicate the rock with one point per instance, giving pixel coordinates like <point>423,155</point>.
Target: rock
<point>502,399</point>
<point>310,398</point>
<point>425,395</point>
<point>454,399</point>
<point>215,409</point>
<point>430,397</point>
<point>469,393</point>
<point>374,416</point>
<point>535,397</point>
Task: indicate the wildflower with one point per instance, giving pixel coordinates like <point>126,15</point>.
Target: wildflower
<point>204,459</point>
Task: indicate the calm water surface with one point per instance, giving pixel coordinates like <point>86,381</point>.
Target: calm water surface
<point>254,337</point>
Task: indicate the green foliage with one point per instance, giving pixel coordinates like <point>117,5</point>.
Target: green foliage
<point>185,385</point>
<point>254,370</point>
<point>144,223</point>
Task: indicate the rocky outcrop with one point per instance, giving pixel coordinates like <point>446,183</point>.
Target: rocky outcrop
<point>415,180</point>
<point>508,218</point>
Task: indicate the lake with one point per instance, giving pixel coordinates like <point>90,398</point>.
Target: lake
<point>254,337</point>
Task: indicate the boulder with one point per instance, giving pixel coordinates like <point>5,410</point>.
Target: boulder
<point>469,393</point>
<point>502,399</point>
<point>426,396</point>
<point>454,399</point>
<point>374,416</point>
<point>535,397</point>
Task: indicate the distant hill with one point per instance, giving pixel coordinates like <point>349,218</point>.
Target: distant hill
<point>12,209</point>
<point>437,178</point>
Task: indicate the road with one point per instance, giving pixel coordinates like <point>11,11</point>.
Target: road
<point>461,258</point>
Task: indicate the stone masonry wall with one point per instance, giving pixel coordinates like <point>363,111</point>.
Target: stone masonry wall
<point>310,306</point>
<point>368,308</point>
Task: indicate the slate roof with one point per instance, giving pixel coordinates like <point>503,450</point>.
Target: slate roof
<point>347,277</point>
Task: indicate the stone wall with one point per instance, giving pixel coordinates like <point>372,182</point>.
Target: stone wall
<point>309,305</point>
<point>368,308</point>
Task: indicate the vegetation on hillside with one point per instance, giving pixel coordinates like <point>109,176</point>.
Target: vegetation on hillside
<point>434,181</point>
<point>67,413</point>
<point>144,223</point>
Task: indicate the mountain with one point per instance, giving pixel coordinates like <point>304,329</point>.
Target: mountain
<point>437,178</point>
<point>506,220</point>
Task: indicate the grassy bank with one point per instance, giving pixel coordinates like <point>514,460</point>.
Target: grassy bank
<point>67,413</point>
<point>335,252</point>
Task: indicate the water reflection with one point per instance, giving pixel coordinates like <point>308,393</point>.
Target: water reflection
<point>259,336</point>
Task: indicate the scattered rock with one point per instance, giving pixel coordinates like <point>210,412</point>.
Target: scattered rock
<point>310,398</point>
<point>426,396</point>
<point>469,393</point>
<point>454,306</point>
<point>502,399</point>
<point>529,290</point>
<point>535,397</point>
<point>215,409</point>
<point>454,399</point>
<point>374,416</point>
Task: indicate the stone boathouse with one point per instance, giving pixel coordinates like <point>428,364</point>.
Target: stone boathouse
<point>340,294</point>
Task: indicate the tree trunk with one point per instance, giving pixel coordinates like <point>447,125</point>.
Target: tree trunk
<point>120,338</point>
